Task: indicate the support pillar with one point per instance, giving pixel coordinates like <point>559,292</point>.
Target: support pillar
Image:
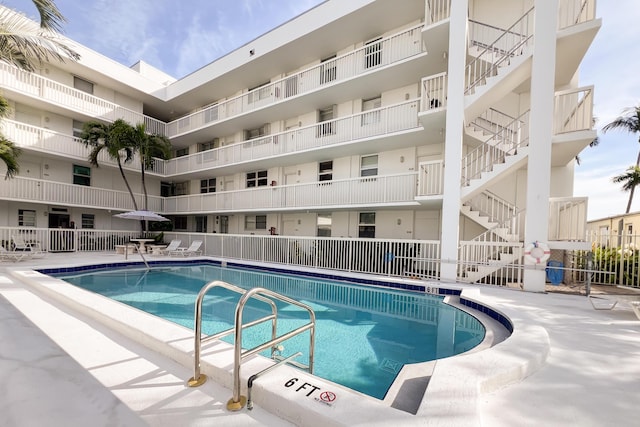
<point>449,238</point>
<point>540,135</point>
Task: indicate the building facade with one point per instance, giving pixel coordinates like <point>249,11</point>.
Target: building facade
<point>453,121</point>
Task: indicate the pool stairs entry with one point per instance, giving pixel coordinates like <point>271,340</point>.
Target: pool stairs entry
<point>267,296</point>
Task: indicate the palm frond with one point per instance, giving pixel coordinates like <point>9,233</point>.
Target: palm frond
<point>50,16</point>
<point>9,154</point>
<point>24,44</point>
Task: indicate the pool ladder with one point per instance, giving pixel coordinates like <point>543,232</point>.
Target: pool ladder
<point>267,296</point>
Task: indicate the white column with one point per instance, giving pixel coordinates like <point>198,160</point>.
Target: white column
<point>540,134</point>
<point>453,139</point>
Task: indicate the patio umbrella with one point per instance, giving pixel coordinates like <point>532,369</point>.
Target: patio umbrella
<point>142,216</point>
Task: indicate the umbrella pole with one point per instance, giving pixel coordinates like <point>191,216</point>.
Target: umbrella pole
<point>145,261</point>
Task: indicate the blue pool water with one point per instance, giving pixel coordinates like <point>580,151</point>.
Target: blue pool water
<point>364,335</point>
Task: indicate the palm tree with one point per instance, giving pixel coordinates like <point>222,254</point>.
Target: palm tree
<point>23,43</point>
<point>115,139</point>
<point>148,147</point>
<point>630,180</point>
<point>629,122</point>
<point>9,152</point>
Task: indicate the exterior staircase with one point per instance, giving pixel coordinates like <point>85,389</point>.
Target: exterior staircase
<point>490,256</point>
<point>499,66</point>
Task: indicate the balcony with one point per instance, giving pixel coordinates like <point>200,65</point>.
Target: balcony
<point>431,182</point>
<point>43,140</point>
<point>34,86</point>
<point>568,219</point>
<point>387,51</point>
<point>41,191</point>
<point>389,190</point>
<point>574,12</point>
<point>382,121</point>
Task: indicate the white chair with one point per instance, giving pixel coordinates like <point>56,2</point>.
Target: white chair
<point>193,249</point>
<point>21,246</point>
<point>173,245</point>
<point>15,256</point>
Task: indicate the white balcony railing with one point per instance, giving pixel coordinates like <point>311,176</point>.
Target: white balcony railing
<point>568,218</point>
<point>366,191</point>
<point>436,11</point>
<point>41,191</point>
<point>370,57</point>
<point>434,92</point>
<point>573,110</point>
<point>65,96</point>
<point>431,178</point>
<point>45,140</point>
<point>573,12</point>
<point>382,121</point>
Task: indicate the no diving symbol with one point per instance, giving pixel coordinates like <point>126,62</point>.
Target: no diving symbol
<point>327,396</point>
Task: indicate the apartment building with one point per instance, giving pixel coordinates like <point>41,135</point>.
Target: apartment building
<point>455,122</point>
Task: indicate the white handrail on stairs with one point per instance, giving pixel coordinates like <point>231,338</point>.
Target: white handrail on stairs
<point>511,43</point>
<point>505,143</point>
<point>491,122</point>
<point>573,110</point>
<point>492,206</point>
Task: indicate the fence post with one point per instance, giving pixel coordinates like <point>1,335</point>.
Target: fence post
<point>589,269</point>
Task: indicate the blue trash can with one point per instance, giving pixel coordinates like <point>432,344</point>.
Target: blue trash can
<point>555,272</point>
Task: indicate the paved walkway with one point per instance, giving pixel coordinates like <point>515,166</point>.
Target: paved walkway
<point>590,378</point>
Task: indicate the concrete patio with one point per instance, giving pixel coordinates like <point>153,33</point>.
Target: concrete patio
<point>61,368</point>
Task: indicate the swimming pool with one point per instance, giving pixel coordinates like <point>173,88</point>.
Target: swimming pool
<point>364,334</point>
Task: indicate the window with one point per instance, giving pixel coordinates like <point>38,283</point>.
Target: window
<point>182,152</point>
<point>201,224</point>
<point>373,116</point>
<point>82,84</point>
<point>26,218</point>
<point>328,70</point>
<point>180,223</point>
<point>257,132</point>
<point>181,188</point>
<point>77,128</point>
<point>208,185</point>
<point>325,171</point>
<point>167,189</point>
<point>373,53</point>
<point>81,175</point>
<point>369,165</point>
<point>257,179</point>
<point>88,221</point>
<point>326,127</point>
<point>367,225</point>
<point>206,146</point>
<point>255,222</point>
<point>257,93</point>
<point>211,113</point>
<point>324,225</point>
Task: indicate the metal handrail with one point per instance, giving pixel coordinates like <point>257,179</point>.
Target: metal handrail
<point>198,378</point>
<point>237,401</point>
<point>261,294</point>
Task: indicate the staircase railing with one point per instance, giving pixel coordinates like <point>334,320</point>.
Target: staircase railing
<point>489,246</point>
<point>431,178</point>
<point>511,43</point>
<point>505,143</point>
<point>493,207</point>
<point>492,122</point>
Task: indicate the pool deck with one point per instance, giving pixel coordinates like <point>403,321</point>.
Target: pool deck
<point>566,364</point>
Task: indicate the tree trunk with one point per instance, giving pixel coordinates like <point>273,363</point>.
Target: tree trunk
<point>633,188</point>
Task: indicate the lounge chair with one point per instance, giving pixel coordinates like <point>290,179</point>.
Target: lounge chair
<point>15,256</point>
<point>173,245</point>
<point>193,249</point>
<point>21,246</point>
<point>632,299</point>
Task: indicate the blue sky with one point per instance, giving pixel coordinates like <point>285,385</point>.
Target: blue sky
<point>181,40</point>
